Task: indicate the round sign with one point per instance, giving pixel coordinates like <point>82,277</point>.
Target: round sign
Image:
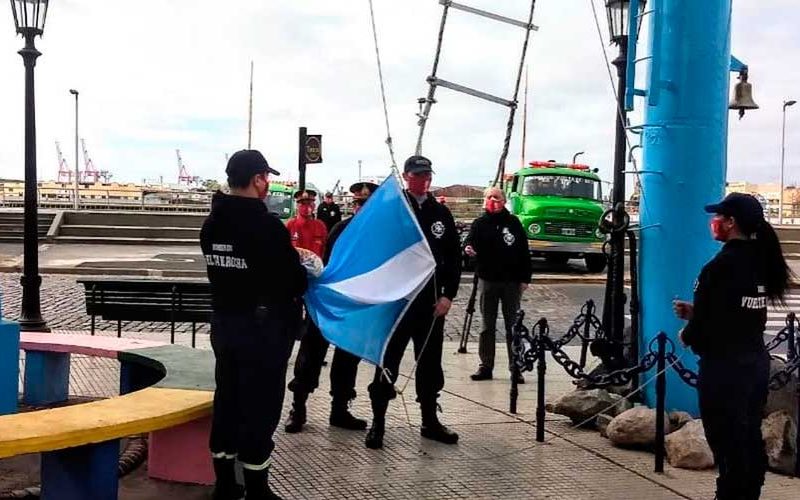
<point>313,149</point>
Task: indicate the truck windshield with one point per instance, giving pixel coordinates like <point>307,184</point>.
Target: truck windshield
<point>561,185</point>
<point>279,204</point>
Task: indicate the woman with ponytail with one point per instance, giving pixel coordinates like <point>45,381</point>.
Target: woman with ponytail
<point>725,328</point>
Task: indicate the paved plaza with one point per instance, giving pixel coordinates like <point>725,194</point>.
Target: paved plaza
<point>497,456</point>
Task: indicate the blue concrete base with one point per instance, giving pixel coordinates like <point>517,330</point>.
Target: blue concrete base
<point>9,367</point>
<point>135,377</point>
<point>85,472</point>
<point>46,378</point>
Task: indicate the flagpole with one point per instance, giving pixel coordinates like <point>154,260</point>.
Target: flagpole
<point>250,111</point>
<point>525,119</point>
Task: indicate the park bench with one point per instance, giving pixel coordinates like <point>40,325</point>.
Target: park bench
<point>165,390</point>
<point>169,301</point>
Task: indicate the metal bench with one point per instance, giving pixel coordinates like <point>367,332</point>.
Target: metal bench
<point>149,300</point>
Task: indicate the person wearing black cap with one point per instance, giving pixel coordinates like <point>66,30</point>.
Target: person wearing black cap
<point>313,347</point>
<point>423,322</point>
<point>329,212</point>
<point>725,328</point>
<point>257,282</point>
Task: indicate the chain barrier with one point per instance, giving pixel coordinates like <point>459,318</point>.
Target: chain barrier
<point>783,377</point>
<point>688,376</point>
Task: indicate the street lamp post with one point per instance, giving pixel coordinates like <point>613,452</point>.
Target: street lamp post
<point>618,12</point>
<point>575,156</point>
<point>76,205</point>
<point>29,19</point>
<point>786,104</point>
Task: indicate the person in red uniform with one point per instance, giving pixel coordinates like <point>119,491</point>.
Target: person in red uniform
<point>306,231</point>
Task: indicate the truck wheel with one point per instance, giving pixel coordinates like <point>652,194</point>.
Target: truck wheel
<point>595,263</point>
<point>557,259</point>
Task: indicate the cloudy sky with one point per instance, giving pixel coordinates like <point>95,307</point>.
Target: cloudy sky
<point>156,76</point>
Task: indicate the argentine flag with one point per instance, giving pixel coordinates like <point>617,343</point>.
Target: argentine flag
<point>379,264</point>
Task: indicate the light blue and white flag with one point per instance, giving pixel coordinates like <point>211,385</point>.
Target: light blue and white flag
<point>379,264</point>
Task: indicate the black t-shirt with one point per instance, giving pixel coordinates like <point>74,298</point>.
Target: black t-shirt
<point>249,256</point>
<point>730,304</point>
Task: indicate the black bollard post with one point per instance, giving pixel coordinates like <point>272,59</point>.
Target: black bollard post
<point>467,326</point>
<point>797,438</point>
<point>792,341</point>
<point>661,394</point>
<point>586,326</point>
<point>514,389</point>
<point>541,368</point>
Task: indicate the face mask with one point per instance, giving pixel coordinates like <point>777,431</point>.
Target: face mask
<point>418,185</point>
<point>305,210</point>
<point>262,189</point>
<point>718,230</point>
<point>493,206</point>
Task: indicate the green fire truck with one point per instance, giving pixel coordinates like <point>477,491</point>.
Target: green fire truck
<point>280,199</point>
<point>559,206</point>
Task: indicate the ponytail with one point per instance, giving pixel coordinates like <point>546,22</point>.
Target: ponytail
<point>778,273</point>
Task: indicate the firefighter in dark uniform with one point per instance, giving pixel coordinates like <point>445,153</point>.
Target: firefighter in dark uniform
<point>498,242</point>
<point>725,328</point>
<point>425,316</point>
<point>329,212</point>
<point>313,347</point>
<point>257,283</point>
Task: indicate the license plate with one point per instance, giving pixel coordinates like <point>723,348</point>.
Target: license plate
<point>568,231</point>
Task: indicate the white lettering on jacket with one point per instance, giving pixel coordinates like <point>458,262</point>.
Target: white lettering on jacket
<point>226,261</point>
<point>754,302</point>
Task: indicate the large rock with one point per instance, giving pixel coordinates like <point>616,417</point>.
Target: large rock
<point>780,434</point>
<point>677,419</point>
<point>602,422</point>
<point>687,447</point>
<point>785,398</point>
<point>635,427</point>
<point>582,405</point>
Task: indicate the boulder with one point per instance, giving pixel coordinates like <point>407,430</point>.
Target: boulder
<point>635,427</point>
<point>687,447</point>
<point>780,434</point>
<point>677,419</point>
<point>581,405</point>
<point>602,422</point>
<point>785,398</point>
<point>622,405</point>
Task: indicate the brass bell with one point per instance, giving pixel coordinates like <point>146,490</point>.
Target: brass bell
<point>743,95</point>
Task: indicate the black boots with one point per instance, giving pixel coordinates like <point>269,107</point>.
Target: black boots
<point>297,415</point>
<point>226,487</point>
<point>374,439</point>
<point>432,428</point>
<point>342,418</point>
<point>483,373</point>
<point>256,482</point>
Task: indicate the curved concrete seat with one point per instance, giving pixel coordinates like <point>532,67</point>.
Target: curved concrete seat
<point>165,390</point>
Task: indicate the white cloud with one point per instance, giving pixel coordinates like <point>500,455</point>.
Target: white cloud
<point>156,76</point>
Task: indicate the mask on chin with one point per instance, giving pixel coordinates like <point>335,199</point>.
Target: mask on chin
<point>493,206</point>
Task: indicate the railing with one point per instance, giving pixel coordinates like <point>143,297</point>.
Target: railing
<point>111,199</point>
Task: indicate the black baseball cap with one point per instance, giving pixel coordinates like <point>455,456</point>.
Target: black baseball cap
<point>417,164</point>
<point>745,208</point>
<point>247,163</point>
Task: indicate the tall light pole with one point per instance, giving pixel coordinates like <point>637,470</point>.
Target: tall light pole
<point>29,18</point>
<point>786,104</point>
<point>76,205</point>
<point>576,155</point>
<point>618,12</point>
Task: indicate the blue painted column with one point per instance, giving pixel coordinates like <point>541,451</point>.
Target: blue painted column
<point>9,366</point>
<point>46,378</point>
<point>685,160</point>
<point>85,472</point>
